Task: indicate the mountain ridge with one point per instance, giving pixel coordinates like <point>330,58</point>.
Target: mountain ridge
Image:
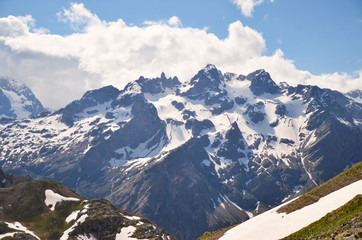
<point>17,100</point>
<point>238,153</point>
<point>48,210</point>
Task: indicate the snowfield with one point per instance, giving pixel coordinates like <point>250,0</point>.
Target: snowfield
<point>272,225</point>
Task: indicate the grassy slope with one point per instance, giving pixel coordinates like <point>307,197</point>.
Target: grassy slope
<point>344,221</point>
<point>214,235</point>
<point>345,178</point>
<point>25,203</point>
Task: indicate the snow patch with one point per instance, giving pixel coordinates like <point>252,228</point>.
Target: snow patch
<point>126,233</point>
<point>86,237</point>
<point>133,218</point>
<point>52,198</point>
<point>72,216</point>
<point>80,220</point>
<point>272,225</point>
<point>19,227</point>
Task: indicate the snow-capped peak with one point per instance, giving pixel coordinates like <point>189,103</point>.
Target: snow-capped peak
<point>17,101</point>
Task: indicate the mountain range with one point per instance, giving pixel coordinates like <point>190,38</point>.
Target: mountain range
<point>195,156</point>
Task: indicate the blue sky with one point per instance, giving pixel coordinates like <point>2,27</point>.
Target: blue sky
<point>318,41</point>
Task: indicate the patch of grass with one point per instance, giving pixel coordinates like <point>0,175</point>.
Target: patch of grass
<point>346,220</point>
<point>214,235</point>
<point>24,203</point>
<point>345,178</point>
<point>51,225</point>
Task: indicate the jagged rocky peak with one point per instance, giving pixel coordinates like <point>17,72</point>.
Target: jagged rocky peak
<point>102,95</point>
<point>207,84</point>
<point>157,85</point>
<point>17,101</point>
<point>230,76</point>
<point>90,99</point>
<point>207,78</point>
<point>261,83</point>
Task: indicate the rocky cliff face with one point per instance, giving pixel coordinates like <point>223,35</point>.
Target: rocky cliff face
<point>192,157</point>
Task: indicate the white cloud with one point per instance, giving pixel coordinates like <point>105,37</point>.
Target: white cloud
<point>247,6</point>
<point>78,16</point>
<point>14,26</point>
<point>174,22</point>
<point>61,68</point>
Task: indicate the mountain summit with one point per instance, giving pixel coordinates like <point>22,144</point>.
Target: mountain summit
<point>192,157</point>
<point>17,101</point>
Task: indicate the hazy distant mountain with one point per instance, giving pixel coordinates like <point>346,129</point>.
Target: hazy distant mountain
<point>192,157</point>
<point>17,101</point>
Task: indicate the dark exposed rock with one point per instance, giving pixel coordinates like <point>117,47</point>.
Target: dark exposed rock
<point>197,126</point>
<point>225,105</point>
<point>157,85</point>
<point>89,99</point>
<point>286,141</point>
<point>178,105</point>
<point>261,82</point>
<point>254,112</point>
<point>240,100</point>
<point>281,110</point>
<point>187,114</point>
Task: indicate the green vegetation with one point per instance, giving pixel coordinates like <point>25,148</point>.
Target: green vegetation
<point>51,225</point>
<point>214,235</point>
<point>345,178</point>
<point>24,203</point>
<point>345,221</point>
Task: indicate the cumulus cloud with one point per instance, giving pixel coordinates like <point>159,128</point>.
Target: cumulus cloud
<point>174,22</point>
<point>15,26</point>
<point>60,68</point>
<point>247,6</point>
<point>78,16</point>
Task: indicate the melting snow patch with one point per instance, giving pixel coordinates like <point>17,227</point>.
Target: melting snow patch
<point>272,225</point>
<point>17,226</point>
<point>52,198</point>
<point>126,233</point>
<point>72,216</point>
<point>86,237</point>
<point>80,220</point>
<point>133,218</point>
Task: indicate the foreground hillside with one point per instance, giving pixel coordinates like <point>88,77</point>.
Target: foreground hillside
<point>343,223</point>
<point>49,210</point>
<point>195,156</point>
<point>342,195</point>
